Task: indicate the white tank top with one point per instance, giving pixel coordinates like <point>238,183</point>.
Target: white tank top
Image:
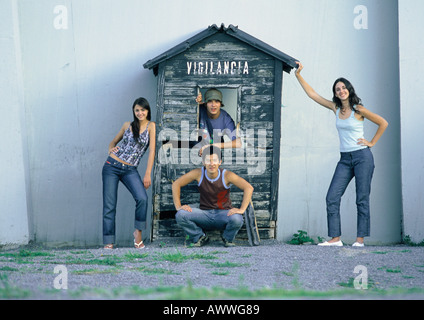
<point>350,130</point>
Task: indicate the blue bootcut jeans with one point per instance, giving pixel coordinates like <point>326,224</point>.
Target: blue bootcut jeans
<point>193,223</point>
<point>358,164</point>
<point>113,172</point>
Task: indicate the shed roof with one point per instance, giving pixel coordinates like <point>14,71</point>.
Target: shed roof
<point>288,62</point>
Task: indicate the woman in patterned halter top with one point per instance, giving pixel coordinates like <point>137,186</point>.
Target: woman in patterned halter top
<point>121,165</point>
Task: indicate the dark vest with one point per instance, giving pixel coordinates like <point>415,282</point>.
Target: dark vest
<point>214,194</point>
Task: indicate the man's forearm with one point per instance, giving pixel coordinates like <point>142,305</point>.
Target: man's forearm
<point>247,197</point>
<point>176,191</point>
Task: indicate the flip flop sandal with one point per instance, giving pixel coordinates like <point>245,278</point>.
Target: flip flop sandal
<point>139,245</point>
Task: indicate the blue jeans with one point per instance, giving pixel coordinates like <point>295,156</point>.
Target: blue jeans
<point>193,223</point>
<point>358,164</point>
<point>113,172</point>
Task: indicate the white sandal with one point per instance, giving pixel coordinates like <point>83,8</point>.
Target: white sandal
<point>139,245</point>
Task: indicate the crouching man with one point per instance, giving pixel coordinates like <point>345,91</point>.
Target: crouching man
<point>215,211</point>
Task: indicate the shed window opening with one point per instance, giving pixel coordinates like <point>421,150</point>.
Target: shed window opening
<point>218,125</point>
<point>209,127</point>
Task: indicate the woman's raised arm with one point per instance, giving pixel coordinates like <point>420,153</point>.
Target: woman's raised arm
<point>311,92</point>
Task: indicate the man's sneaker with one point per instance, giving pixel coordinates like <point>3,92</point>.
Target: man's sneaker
<point>202,241</point>
<point>228,243</point>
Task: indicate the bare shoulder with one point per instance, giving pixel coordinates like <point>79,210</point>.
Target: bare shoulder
<point>190,176</point>
<point>197,173</point>
<point>367,114</point>
<point>361,108</point>
<point>126,125</point>
<point>151,127</point>
<point>232,178</point>
<point>364,112</point>
<point>229,174</point>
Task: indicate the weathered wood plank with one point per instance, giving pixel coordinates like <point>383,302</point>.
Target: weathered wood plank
<point>171,90</point>
<point>257,112</point>
<point>277,120</point>
<point>177,125</point>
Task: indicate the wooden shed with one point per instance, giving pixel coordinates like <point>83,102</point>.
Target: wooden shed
<point>249,73</point>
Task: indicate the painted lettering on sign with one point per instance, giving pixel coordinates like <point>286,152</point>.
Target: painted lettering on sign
<point>217,67</point>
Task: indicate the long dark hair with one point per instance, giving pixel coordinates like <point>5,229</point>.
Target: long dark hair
<point>135,126</point>
<point>353,98</point>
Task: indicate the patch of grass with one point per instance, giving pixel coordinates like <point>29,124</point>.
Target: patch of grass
<point>407,240</point>
<point>228,264</point>
<point>120,292</point>
<point>10,292</point>
<point>178,257</point>
<point>219,252</point>
<point>379,252</point>
<point>350,284</point>
<point>221,273</point>
<point>201,256</point>
<point>156,271</point>
<point>94,271</point>
<point>26,254</point>
<point>108,261</point>
<point>6,268</point>
<point>135,256</point>
<point>391,251</point>
<point>188,292</point>
<point>80,252</point>
<point>241,292</point>
<point>396,270</point>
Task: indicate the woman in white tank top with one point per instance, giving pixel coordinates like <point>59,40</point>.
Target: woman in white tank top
<point>356,158</point>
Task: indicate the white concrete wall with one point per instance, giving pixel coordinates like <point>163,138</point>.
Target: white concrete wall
<point>412,113</point>
<point>79,84</point>
<point>13,160</point>
<point>324,37</point>
<point>82,72</point>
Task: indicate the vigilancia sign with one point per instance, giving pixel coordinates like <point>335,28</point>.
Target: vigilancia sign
<point>217,67</point>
